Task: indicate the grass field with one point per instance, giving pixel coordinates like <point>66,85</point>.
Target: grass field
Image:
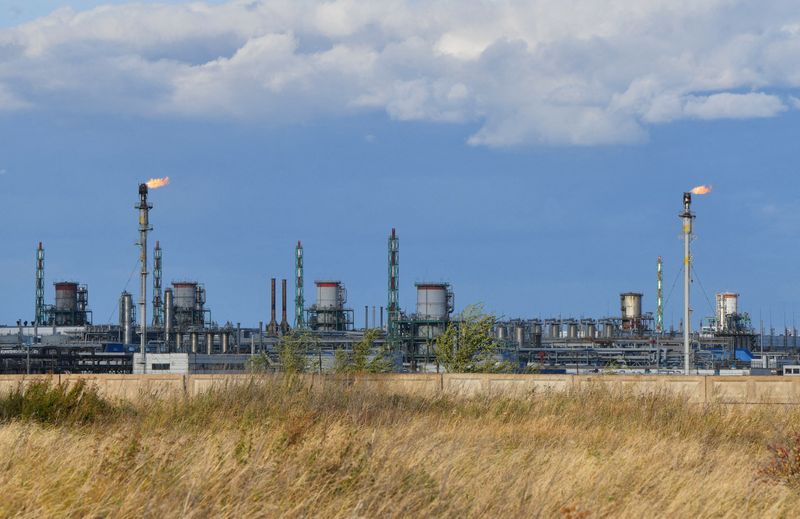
<point>271,448</point>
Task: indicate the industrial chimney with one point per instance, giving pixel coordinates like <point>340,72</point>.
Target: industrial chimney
<point>284,322</point>
<point>272,327</point>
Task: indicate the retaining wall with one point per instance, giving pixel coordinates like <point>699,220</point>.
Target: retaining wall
<point>698,389</point>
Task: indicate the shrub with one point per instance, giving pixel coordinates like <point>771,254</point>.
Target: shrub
<point>43,401</point>
<point>784,465</point>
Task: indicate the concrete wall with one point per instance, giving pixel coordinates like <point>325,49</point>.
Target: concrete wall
<point>697,389</point>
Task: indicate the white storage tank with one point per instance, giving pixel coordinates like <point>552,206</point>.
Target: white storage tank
<point>331,295</point>
<point>631,303</point>
<point>727,307</point>
<point>434,301</point>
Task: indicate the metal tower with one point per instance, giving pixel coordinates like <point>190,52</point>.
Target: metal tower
<point>299,300</point>
<point>659,300</point>
<point>144,227</point>
<point>393,306</point>
<point>687,217</point>
<point>39,285</point>
<point>158,308</point>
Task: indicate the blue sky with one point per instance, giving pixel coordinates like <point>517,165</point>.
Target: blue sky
<point>536,200</point>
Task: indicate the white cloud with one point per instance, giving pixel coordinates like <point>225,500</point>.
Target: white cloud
<point>733,106</point>
<point>554,72</point>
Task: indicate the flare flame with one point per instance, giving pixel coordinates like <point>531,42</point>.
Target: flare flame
<point>155,183</point>
<point>700,190</point>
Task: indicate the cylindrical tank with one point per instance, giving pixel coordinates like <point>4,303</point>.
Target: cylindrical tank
<point>608,329</point>
<point>330,295</point>
<point>169,318</point>
<point>631,307</point>
<point>536,328</point>
<point>210,343</point>
<point>572,330</point>
<point>432,301</point>
<point>179,342</point>
<point>185,295</point>
<point>591,330</point>
<point>727,306</point>
<point>554,329</point>
<point>126,317</point>
<point>519,335</point>
<point>66,296</point>
<point>501,331</point>
<point>225,339</point>
<point>195,341</point>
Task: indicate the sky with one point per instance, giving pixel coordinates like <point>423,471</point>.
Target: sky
<point>532,154</point>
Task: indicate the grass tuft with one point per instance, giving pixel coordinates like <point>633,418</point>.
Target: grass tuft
<point>55,404</point>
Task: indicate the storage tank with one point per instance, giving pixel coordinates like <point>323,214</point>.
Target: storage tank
<point>590,329</point>
<point>169,317</point>
<point>434,301</point>
<point>572,330</point>
<point>536,327</point>
<point>66,296</point>
<point>519,335</point>
<point>608,329</point>
<point>727,307</point>
<point>553,328</point>
<point>631,307</point>
<point>184,295</point>
<point>331,295</point>
<point>126,317</point>
<point>501,332</point>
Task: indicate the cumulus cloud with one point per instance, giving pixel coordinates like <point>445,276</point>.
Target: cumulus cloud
<point>553,72</point>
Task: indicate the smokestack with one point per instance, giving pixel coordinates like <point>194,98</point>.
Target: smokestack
<point>687,217</point>
<point>284,322</point>
<point>272,327</point>
<point>144,227</point>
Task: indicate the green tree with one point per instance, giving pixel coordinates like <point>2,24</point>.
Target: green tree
<point>259,363</point>
<point>364,357</point>
<point>293,348</point>
<point>468,344</point>
<point>341,362</point>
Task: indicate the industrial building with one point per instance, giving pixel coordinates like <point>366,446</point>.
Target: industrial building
<point>181,337</point>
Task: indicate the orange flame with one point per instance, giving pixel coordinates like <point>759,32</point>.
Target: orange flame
<point>700,190</point>
<point>155,183</point>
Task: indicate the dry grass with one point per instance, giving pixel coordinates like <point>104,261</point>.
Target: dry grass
<point>271,449</point>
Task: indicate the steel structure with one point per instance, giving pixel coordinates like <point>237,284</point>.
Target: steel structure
<point>144,228</point>
<point>40,315</point>
<point>687,217</point>
<point>659,300</point>
<point>158,308</point>
<point>393,305</point>
<point>299,299</point>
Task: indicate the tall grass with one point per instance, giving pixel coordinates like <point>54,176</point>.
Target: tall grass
<point>272,448</point>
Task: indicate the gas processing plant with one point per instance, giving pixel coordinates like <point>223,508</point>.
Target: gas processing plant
<point>179,336</point>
